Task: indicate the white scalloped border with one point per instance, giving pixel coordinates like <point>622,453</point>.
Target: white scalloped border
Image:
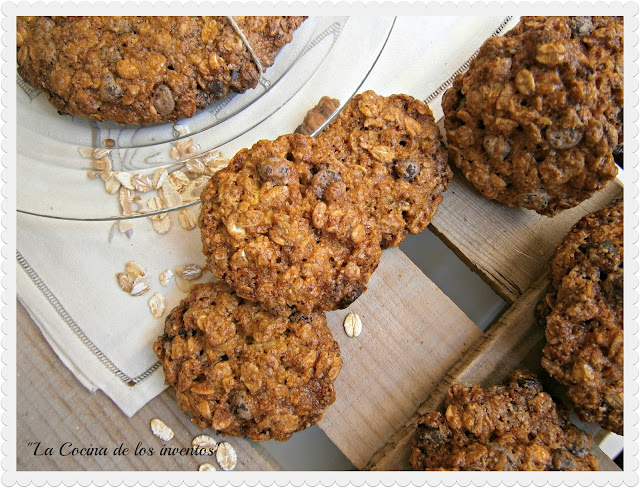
<point>629,477</point>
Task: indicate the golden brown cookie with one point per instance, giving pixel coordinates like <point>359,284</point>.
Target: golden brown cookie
<point>510,427</point>
<point>288,225</point>
<point>395,143</point>
<point>583,316</point>
<point>535,120</point>
<point>242,371</point>
<point>143,70</point>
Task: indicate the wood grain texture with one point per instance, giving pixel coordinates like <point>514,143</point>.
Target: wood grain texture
<point>54,408</point>
<point>515,341</point>
<point>412,334</point>
<point>508,247</point>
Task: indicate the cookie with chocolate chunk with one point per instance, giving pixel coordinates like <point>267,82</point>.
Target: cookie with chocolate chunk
<point>288,225</point>
<point>243,371</point>
<point>510,427</point>
<point>583,317</point>
<point>535,120</point>
<point>143,70</point>
<point>394,142</point>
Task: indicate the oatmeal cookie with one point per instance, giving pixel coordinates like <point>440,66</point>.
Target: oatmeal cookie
<point>535,120</point>
<point>583,316</point>
<point>143,70</point>
<point>243,371</point>
<point>395,143</point>
<point>288,225</point>
<point>510,427</point>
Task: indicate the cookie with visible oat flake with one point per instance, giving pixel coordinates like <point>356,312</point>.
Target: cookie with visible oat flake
<point>395,143</point>
<point>536,120</point>
<point>144,70</point>
<point>242,371</point>
<point>288,225</point>
<point>583,317</point>
<point>510,427</point>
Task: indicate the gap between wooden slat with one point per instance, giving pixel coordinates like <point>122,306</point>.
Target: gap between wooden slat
<point>515,341</point>
<point>411,335</point>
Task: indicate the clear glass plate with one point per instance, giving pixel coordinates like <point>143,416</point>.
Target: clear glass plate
<point>55,153</point>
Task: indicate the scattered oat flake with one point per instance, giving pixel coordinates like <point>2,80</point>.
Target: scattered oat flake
<point>111,184</point>
<point>352,325</point>
<point>161,223</point>
<point>192,191</point>
<point>157,304</point>
<point>161,430</point>
<point>187,218</point>
<point>126,228</point>
<point>134,269</point>
<point>100,153</point>
<point>102,164</point>
<point>126,200</point>
<point>112,232</point>
<point>159,175</point>
<point>154,203</point>
<point>109,143</point>
<point>226,456</point>
<point>140,287</point>
<point>165,277</point>
<point>142,183</point>
<point>204,441</point>
<point>170,195</point>
<point>125,179</point>
<point>189,271</point>
<point>178,180</point>
<point>197,167</point>
<point>207,467</point>
<point>125,282</point>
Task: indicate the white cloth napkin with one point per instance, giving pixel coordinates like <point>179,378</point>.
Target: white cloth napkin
<point>66,269</point>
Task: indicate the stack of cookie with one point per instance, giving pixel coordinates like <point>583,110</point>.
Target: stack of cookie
<point>292,228</point>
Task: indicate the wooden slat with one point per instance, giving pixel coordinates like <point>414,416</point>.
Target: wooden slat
<point>53,408</point>
<point>412,334</point>
<point>515,341</point>
<point>508,247</point>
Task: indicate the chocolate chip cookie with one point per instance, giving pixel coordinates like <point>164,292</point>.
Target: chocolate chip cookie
<point>510,427</point>
<point>288,225</point>
<point>243,371</point>
<point>535,120</point>
<point>143,70</point>
<point>394,142</point>
<point>583,316</point>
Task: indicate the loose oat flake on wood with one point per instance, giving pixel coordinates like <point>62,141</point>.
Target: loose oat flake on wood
<point>352,325</point>
<point>204,441</point>
<point>226,456</point>
<point>161,430</point>
<point>207,467</point>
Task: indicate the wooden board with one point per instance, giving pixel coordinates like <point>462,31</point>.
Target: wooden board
<point>515,341</point>
<point>400,356</point>
<point>508,247</point>
<point>54,408</point>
